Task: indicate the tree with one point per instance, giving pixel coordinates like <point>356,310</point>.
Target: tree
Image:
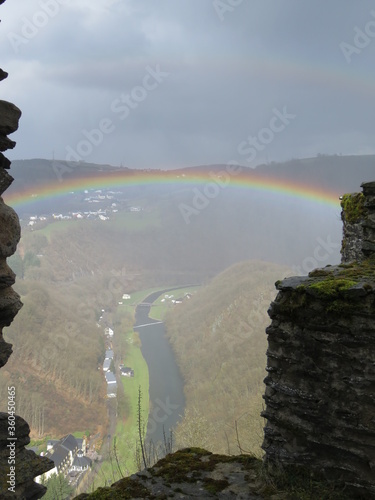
<point>58,488</point>
<point>30,259</point>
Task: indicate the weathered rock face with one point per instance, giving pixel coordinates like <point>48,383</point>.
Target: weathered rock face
<point>320,388</point>
<point>358,216</point>
<point>17,483</point>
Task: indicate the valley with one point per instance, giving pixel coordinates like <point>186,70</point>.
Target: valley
<point>80,271</point>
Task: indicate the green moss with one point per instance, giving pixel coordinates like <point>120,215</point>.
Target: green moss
<point>188,464</point>
<point>359,272</point>
<point>332,287</point>
<point>353,207</point>
<point>124,489</point>
<point>319,272</point>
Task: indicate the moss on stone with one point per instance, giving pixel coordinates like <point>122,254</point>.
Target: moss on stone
<point>215,485</point>
<point>316,273</point>
<point>331,287</point>
<point>124,489</point>
<point>353,207</point>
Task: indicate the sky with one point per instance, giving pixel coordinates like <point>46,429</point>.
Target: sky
<point>176,83</point>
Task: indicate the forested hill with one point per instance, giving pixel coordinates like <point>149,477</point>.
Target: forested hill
<point>220,343</point>
<point>340,173</point>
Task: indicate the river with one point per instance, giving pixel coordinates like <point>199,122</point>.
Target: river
<point>167,401</point>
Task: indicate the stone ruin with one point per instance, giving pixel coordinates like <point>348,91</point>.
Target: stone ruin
<point>17,482</point>
<point>320,388</point>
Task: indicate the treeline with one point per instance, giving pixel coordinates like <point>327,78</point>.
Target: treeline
<point>220,342</point>
<point>54,366</point>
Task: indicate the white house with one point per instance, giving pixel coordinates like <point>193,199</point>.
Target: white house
<point>111,390</point>
<point>110,377</point>
<point>80,462</point>
<point>108,331</point>
<point>109,354</point>
<point>106,364</point>
<point>62,453</point>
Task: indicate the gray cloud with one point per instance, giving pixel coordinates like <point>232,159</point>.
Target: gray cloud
<point>224,78</point>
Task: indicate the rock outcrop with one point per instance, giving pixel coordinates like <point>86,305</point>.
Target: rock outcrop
<point>358,216</point>
<point>18,466</point>
<point>320,388</point>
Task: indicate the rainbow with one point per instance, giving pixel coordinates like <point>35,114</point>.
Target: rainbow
<point>186,179</point>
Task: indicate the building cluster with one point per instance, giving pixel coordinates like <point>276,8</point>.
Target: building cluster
<point>110,202</point>
<point>110,377</point>
<point>69,457</point>
<point>109,367</point>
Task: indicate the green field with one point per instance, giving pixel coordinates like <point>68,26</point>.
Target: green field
<point>128,305</point>
<point>127,434</point>
<point>121,460</point>
<point>131,221</point>
<point>159,308</point>
<point>58,226</point>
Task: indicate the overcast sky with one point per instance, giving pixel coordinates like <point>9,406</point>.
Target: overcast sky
<point>170,83</point>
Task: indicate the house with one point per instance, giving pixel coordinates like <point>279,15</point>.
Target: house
<point>110,377</point>
<point>108,331</point>
<point>111,390</point>
<point>109,354</point>
<point>64,453</point>
<point>80,462</point>
<point>51,443</point>
<point>127,372</point>
<point>71,444</point>
<point>60,455</point>
<point>106,364</point>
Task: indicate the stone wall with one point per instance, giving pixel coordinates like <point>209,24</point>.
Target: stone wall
<point>358,216</point>
<point>26,465</point>
<point>320,388</point>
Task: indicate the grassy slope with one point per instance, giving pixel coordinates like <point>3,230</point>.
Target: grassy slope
<point>159,309</point>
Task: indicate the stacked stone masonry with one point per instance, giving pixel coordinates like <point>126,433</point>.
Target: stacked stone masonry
<point>27,464</point>
<point>320,388</point>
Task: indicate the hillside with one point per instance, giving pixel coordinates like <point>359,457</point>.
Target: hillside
<point>341,173</point>
<point>220,343</point>
<point>55,361</point>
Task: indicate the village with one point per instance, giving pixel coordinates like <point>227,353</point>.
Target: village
<point>107,204</point>
<point>109,368</point>
<point>72,456</point>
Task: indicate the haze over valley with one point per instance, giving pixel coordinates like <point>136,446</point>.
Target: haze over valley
<point>170,163</point>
